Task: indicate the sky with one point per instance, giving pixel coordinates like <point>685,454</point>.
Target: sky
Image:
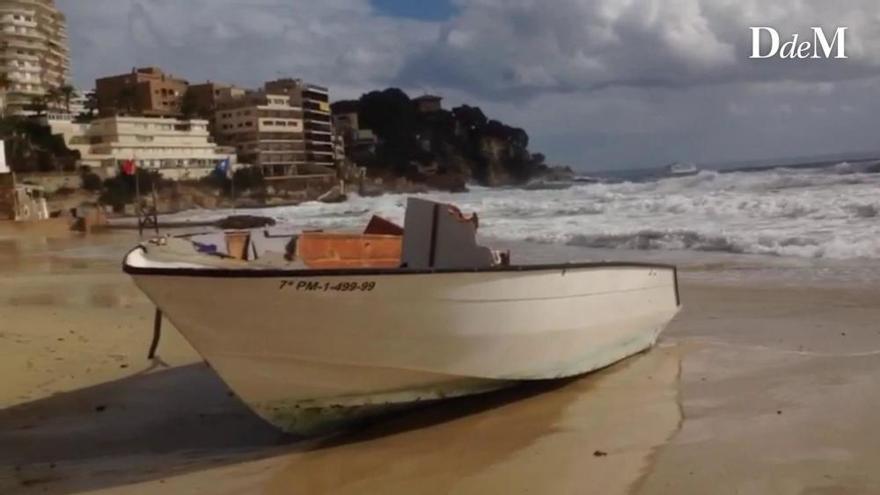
<point>597,84</point>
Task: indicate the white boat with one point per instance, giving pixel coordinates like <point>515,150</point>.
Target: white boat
<point>306,347</point>
<point>682,169</point>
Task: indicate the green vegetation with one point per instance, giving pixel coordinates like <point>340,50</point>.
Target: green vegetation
<point>31,147</point>
<point>121,189</point>
<point>39,105</point>
<point>91,181</point>
<point>461,143</point>
<point>249,178</point>
<point>60,97</point>
<point>91,108</point>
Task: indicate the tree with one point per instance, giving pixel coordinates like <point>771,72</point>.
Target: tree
<point>91,103</point>
<point>67,92</point>
<point>38,105</point>
<point>120,189</point>
<point>31,146</point>
<point>470,118</point>
<point>91,181</point>
<point>247,178</point>
<point>53,97</point>
<point>463,143</point>
<point>392,117</point>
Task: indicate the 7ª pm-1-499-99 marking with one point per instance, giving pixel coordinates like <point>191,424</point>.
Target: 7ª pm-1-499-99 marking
<point>318,286</point>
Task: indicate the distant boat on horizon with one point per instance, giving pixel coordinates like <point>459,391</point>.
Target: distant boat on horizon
<point>682,168</point>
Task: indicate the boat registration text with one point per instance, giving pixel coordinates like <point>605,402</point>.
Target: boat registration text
<point>318,286</point>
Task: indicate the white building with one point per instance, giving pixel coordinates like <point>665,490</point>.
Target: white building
<point>33,50</point>
<point>178,149</point>
<point>266,130</point>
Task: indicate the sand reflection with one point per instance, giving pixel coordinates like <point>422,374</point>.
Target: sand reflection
<point>595,432</point>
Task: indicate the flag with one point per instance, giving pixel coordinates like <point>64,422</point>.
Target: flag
<point>223,168</point>
<point>129,167</point>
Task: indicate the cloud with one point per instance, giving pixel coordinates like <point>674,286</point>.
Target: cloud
<point>339,42</point>
<point>519,48</point>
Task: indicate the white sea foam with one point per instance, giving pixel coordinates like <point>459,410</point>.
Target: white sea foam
<point>821,213</point>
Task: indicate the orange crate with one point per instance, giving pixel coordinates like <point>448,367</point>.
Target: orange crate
<point>327,250</point>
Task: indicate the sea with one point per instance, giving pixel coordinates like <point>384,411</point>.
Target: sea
<point>809,216</point>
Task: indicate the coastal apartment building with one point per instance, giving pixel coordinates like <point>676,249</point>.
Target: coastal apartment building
<point>34,55</point>
<point>358,144</point>
<point>206,97</point>
<point>317,127</point>
<point>266,130</point>
<point>178,149</point>
<point>145,91</point>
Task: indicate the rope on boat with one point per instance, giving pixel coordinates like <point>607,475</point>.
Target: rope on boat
<point>157,332</point>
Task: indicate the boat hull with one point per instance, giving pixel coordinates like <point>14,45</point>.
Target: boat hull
<point>306,349</point>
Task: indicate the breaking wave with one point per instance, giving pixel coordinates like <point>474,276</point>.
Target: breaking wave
<point>832,212</point>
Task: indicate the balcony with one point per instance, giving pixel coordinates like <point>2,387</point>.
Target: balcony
<point>318,138</point>
<point>315,106</point>
<point>316,126</point>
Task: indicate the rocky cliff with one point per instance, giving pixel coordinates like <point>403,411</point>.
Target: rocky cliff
<point>442,148</point>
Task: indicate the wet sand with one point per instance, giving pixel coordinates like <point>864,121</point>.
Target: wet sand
<point>753,389</point>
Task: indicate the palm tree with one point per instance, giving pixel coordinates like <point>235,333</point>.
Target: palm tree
<point>67,93</point>
<point>53,97</point>
<point>39,105</point>
<point>91,103</point>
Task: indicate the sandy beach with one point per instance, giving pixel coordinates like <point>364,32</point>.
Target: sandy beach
<point>755,387</point>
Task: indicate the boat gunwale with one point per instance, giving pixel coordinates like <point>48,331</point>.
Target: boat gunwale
<point>234,272</point>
